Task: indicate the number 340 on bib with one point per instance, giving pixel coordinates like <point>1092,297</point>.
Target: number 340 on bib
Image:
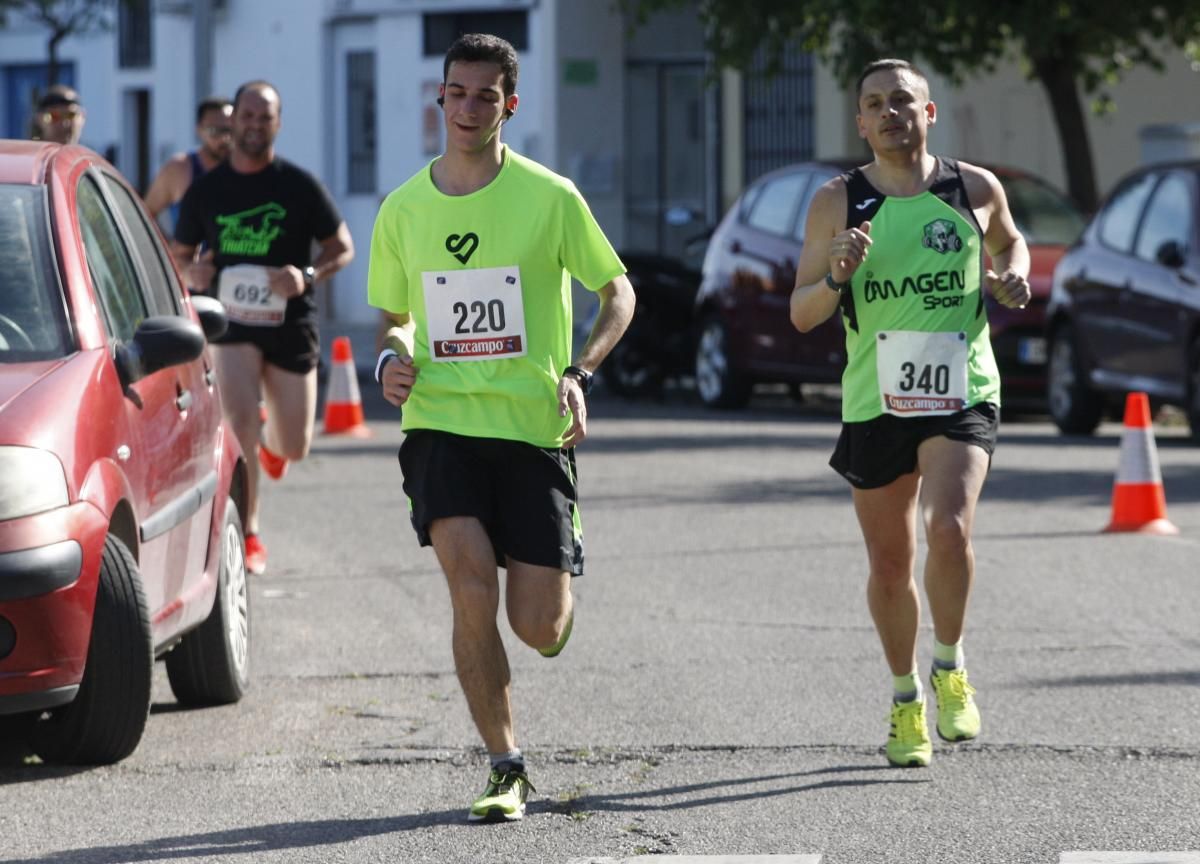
<point>921,374</point>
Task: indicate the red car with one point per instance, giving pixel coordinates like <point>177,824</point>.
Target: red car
<point>744,333</point>
<point>120,483</point>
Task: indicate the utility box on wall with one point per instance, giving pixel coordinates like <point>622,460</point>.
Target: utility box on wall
<point>1169,142</point>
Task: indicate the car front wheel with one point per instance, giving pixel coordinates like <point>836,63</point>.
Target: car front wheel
<point>211,664</point>
<point>105,721</point>
<point>1075,408</point>
<point>717,382</point>
<point>1193,393</point>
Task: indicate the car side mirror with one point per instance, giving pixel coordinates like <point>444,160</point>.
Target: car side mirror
<point>159,341</point>
<point>1170,254</point>
<point>212,315</point>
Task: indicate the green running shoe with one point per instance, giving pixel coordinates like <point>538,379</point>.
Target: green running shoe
<point>556,649</point>
<point>504,798</point>
<point>958,716</point>
<point>908,743</point>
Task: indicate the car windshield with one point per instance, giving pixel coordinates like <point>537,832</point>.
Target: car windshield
<point>1043,215</point>
<point>32,318</point>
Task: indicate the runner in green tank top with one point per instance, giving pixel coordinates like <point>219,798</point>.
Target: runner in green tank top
<point>472,260</point>
<point>897,246</point>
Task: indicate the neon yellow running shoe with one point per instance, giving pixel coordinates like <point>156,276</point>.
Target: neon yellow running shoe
<point>958,715</point>
<point>908,743</point>
<point>504,798</point>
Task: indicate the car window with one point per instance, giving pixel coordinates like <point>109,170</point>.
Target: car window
<point>162,289</point>
<point>108,261</point>
<point>802,210</point>
<point>1168,217</point>
<point>33,321</point>
<point>1043,215</point>
<point>772,210</point>
<point>1119,219</point>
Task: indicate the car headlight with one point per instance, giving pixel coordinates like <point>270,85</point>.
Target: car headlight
<point>31,481</point>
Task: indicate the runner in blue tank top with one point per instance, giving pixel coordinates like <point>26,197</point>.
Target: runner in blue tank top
<point>921,395</point>
<point>214,129</point>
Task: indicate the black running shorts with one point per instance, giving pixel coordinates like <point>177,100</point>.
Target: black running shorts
<point>293,346</point>
<point>876,452</point>
<point>525,496</point>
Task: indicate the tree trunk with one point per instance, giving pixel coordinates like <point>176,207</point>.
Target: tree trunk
<point>1059,81</point>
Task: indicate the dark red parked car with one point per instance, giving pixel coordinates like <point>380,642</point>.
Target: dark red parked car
<point>1125,312</point>
<point>120,484</point>
<point>744,332</point>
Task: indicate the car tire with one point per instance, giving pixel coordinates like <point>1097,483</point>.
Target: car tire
<point>1193,391</point>
<point>1075,408</point>
<point>211,664</point>
<point>106,720</point>
<point>717,382</point>
<point>632,370</point>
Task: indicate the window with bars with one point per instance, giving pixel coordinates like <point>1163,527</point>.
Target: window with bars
<point>135,25</point>
<point>779,125</point>
<point>442,28</point>
<point>360,122</point>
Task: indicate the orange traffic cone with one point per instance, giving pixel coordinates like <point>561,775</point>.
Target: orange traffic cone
<point>343,403</point>
<point>1138,502</point>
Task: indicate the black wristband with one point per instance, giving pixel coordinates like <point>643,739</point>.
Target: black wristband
<point>583,376</point>
<point>839,287</point>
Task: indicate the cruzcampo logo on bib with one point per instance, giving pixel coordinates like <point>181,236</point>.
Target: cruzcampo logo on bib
<point>251,232</point>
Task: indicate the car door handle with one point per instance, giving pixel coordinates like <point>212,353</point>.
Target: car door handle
<point>183,401</point>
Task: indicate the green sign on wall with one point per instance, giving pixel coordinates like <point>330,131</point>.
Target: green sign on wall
<point>582,73</point>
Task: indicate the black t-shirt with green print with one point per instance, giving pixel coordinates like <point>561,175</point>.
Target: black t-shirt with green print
<point>270,218</point>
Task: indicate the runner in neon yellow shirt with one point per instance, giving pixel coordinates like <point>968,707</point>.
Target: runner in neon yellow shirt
<point>472,260</point>
<point>897,245</point>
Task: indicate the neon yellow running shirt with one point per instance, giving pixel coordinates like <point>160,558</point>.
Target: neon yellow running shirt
<point>922,275</point>
<point>487,279</point>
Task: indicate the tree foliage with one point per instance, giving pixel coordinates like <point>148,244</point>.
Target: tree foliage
<point>62,18</point>
<point>1071,47</point>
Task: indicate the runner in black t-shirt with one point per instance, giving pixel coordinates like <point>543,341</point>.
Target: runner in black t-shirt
<point>257,216</point>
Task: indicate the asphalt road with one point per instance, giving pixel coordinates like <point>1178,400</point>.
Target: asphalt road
<point>723,693</point>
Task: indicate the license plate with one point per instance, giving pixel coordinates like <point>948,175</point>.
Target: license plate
<point>1032,351</point>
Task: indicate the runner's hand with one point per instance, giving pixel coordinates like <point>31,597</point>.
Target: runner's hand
<point>570,399</point>
<point>847,250</point>
<point>200,272</point>
<point>1010,288</point>
<point>287,281</point>
<point>398,377</point>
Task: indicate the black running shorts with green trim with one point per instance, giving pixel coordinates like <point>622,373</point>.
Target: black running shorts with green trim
<point>874,453</point>
<point>525,496</point>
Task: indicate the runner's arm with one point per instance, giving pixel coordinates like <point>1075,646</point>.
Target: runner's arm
<point>161,193</point>
<point>1008,278</point>
<point>337,250</point>
<point>394,369</point>
<point>617,303</point>
<point>813,301</point>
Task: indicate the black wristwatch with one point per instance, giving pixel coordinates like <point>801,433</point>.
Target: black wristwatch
<point>310,276</point>
<point>583,376</point>
<point>839,287</point>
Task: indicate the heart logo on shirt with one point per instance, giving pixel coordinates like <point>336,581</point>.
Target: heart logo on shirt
<point>462,246</point>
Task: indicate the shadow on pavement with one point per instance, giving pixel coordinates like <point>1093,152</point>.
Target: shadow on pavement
<point>636,801</point>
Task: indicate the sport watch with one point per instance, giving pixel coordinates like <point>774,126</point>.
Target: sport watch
<point>839,287</point>
<point>583,376</point>
<point>310,276</point>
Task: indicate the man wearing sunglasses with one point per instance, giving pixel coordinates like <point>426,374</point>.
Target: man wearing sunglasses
<point>59,116</point>
<point>214,130</point>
